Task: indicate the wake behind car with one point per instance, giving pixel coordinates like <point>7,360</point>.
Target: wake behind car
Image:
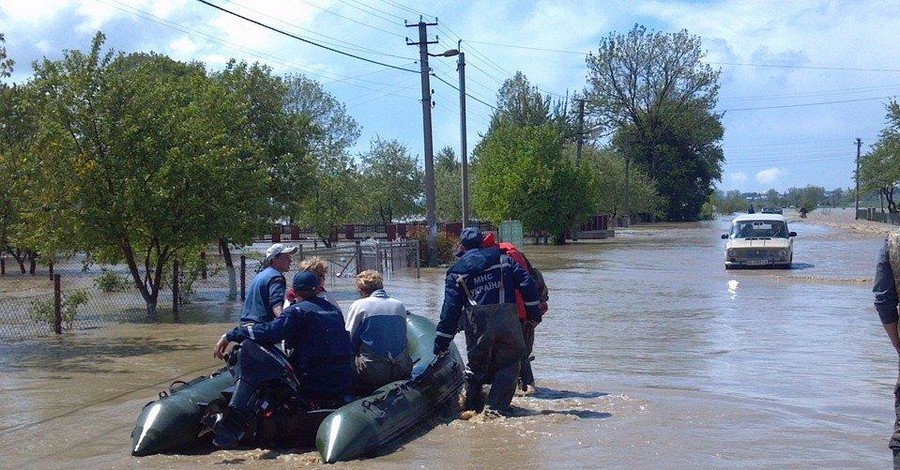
<point>759,240</point>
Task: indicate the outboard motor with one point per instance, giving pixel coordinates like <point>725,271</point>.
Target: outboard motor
<point>265,383</point>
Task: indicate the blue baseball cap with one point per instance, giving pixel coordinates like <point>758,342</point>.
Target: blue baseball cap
<point>305,280</point>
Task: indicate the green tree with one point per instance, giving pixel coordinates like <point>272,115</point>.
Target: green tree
<point>520,172</point>
<point>608,168</point>
<point>6,63</point>
<point>335,183</point>
<point>809,197</point>
<point>652,91</point>
<point>141,154</point>
<point>880,169</point>
<point>393,185</point>
<point>447,185</point>
<point>18,132</point>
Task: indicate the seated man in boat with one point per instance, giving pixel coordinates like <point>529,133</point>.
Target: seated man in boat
<point>482,284</point>
<point>318,351</point>
<point>377,326</point>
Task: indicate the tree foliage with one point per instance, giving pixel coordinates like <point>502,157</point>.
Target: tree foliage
<point>6,63</point>
<point>653,93</point>
<point>391,181</point>
<point>447,185</point>
<point>608,168</point>
<point>520,172</point>
<point>141,159</point>
<point>880,169</point>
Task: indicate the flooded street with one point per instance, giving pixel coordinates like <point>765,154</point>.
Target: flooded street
<point>652,356</point>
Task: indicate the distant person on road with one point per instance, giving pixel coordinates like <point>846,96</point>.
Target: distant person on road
<point>887,284</point>
<point>377,326</point>
<point>481,285</point>
<point>803,212</point>
<point>526,375</point>
<point>750,209</point>
<point>265,296</point>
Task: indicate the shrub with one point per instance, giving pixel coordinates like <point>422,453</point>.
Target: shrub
<point>111,282</point>
<point>42,311</point>
<point>446,245</point>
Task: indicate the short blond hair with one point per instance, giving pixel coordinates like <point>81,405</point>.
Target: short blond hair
<point>316,265</point>
<point>369,281</point>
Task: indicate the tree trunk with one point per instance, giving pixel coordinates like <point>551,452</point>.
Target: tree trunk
<point>229,267</point>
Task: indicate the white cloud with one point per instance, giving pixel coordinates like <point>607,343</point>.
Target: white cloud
<point>769,176</point>
<point>183,46</point>
<point>737,177</point>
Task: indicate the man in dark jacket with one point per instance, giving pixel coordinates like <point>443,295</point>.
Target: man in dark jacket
<point>319,352</point>
<point>887,270</point>
<point>482,283</point>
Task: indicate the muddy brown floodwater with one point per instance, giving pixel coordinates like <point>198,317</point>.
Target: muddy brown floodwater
<point>652,356</point>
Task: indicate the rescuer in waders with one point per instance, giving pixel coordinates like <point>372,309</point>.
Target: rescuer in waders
<point>526,375</point>
<point>887,284</point>
<point>481,285</point>
<point>318,350</point>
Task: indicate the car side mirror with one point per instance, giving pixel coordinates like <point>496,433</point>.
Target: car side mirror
<point>724,236</point>
<point>793,234</point>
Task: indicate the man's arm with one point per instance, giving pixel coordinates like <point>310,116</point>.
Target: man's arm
<point>450,312</point>
<point>277,295</point>
<point>526,285</point>
<point>885,291</point>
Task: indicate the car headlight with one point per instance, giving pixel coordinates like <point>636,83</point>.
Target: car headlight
<point>731,252</point>
<point>782,253</point>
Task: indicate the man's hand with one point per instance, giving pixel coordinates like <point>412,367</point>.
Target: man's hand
<point>542,307</point>
<point>441,345</point>
<point>221,346</point>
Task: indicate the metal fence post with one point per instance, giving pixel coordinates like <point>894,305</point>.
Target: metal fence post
<point>50,266</point>
<point>359,258</point>
<point>175,286</point>
<point>203,265</point>
<point>57,304</point>
<point>243,278</point>
<point>2,266</point>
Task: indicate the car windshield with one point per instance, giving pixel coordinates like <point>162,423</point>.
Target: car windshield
<point>759,229</point>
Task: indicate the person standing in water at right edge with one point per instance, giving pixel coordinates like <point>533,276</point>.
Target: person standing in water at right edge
<point>887,284</point>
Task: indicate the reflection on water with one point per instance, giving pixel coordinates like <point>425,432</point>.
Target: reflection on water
<point>649,356</point>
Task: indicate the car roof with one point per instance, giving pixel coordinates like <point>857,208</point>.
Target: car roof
<point>758,216</point>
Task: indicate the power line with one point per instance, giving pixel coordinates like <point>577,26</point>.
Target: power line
<point>294,36</point>
<point>808,104</point>
<point>457,89</point>
<point>351,19</point>
<point>368,10</point>
<point>336,41</point>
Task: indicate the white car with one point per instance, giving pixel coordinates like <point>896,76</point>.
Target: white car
<point>759,240</point>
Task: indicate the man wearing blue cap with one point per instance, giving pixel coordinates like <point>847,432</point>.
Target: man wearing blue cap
<point>482,284</point>
<point>319,352</point>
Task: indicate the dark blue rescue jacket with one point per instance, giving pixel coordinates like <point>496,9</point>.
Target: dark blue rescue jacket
<point>313,332</point>
<point>481,269</point>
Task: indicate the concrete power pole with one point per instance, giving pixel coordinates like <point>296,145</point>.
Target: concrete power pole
<point>463,151</point>
<point>858,147</point>
<point>580,140</point>
<point>430,218</point>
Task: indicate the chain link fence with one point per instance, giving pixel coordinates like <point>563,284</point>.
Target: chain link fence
<point>87,296</point>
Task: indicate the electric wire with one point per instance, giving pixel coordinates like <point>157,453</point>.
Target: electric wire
<point>335,41</point>
<point>294,36</point>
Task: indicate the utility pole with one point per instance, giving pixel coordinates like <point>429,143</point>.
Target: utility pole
<point>430,219</point>
<point>858,147</point>
<point>580,141</point>
<point>463,151</point>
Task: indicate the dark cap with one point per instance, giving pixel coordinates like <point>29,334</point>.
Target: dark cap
<point>305,281</point>
<point>471,238</point>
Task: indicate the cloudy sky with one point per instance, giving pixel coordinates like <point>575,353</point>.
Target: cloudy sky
<point>801,80</point>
